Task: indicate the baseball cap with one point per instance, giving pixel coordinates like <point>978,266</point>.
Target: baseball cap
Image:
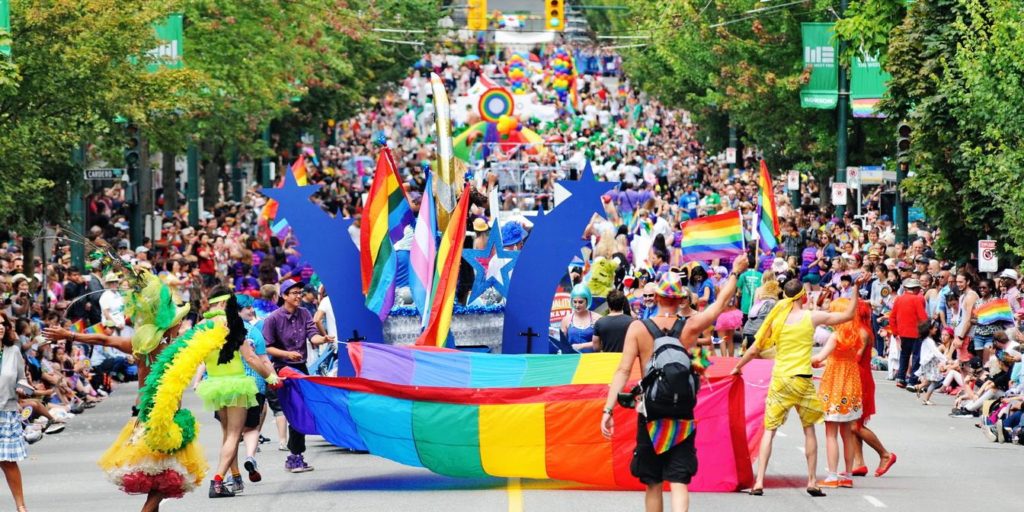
<point>289,284</point>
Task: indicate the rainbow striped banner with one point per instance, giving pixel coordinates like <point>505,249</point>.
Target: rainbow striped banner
<point>446,275</point>
<point>767,217</point>
<point>385,216</point>
<point>995,311</point>
<point>77,326</point>
<point>714,236</point>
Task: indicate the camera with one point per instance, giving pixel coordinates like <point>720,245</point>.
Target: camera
<point>628,400</point>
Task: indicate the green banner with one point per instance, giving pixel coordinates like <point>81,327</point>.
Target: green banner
<point>867,86</point>
<point>171,36</point>
<point>822,56</point>
<point>5,25</point>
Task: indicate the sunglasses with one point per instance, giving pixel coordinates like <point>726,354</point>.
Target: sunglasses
<point>648,295</point>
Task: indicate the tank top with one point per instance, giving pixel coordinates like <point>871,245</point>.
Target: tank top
<point>230,369</point>
<point>793,348</point>
<point>581,335</point>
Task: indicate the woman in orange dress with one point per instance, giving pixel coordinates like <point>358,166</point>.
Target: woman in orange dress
<point>840,393</point>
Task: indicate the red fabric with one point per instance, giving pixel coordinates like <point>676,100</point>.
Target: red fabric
<point>907,313</point>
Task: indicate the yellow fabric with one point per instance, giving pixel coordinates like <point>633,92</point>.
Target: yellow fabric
<point>770,330</point>
<point>785,393</point>
<point>229,369</point>
<point>596,368</point>
<point>793,348</point>
<point>129,454</point>
<point>512,440</point>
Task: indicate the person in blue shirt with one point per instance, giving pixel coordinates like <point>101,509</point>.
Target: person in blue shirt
<point>689,201</point>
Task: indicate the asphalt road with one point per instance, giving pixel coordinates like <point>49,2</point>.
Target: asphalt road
<point>945,464</point>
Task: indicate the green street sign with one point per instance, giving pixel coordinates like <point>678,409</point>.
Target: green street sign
<point>822,56</point>
<point>169,54</point>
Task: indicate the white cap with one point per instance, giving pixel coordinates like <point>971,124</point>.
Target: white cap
<point>1010,274</point>
<point>141,248</point>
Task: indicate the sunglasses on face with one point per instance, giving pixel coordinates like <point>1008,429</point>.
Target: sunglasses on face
<point>648,295</point>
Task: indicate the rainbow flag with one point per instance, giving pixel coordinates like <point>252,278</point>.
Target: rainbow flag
<point>95,329</point>
<point>279,226</point>
<point>385,216</point>
<point>767,217</point>
<point>423,255</point>
<point>713,236</point>
<point>446,274</point>
<point>668,432</point>
<point>77,326</point>
<point>995,311</point>
<point>299,171</point>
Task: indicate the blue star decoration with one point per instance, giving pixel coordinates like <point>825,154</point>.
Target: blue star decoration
<point>492,265</point>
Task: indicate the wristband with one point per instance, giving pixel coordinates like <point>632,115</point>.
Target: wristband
<point>734,274</point>
<point>607,410</point>
<point>272,379</point>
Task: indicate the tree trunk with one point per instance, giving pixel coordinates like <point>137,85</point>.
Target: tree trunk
<point>170,181</point>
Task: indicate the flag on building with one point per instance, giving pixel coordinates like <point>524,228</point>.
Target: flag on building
<point>385,216</point>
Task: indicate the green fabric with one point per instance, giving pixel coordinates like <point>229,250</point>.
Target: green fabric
<point>821,54</point>
<point>550,371</point>
<point>448,438</point>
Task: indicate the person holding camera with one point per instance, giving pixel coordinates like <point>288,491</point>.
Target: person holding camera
<point>678,464</point>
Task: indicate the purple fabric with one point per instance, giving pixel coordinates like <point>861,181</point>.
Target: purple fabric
<point>387,363</point>
<point>299,417</point>
<point>289,331</point>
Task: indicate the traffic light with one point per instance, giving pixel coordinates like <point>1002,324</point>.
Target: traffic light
<point>476,14</point>
<point>903,142</point>
<point>133,147</point>
<point>554,15</point>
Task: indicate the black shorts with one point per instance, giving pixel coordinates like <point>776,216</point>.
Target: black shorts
<point>678,465</point>
<point>252,414</point>
<point>275,405</point>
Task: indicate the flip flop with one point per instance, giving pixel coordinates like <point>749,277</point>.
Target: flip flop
<point>815,492</point>
<point>884,469</point>
<point>756,492</point>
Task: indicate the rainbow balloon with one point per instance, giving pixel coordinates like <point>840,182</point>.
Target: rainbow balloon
<point>533,416</point>
<point>494,103</point>
<point>518,74</point>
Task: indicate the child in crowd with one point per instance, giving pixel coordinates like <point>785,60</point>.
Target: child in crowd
<point>932,359</point>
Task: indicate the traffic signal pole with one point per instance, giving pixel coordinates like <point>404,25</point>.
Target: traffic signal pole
<point>842,109</point>
<point>192,169</point>
<point>899,209</point>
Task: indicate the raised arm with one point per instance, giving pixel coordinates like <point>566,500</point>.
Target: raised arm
<point>838,317</point>
<point>697,323</point>
<point>119,342</point>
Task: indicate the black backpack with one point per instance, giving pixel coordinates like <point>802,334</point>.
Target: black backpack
<point>669,386</point>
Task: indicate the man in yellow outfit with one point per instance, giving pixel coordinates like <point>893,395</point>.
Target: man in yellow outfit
<point>789,329</point>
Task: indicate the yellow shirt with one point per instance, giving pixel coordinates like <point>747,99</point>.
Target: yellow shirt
<point>793,349</point>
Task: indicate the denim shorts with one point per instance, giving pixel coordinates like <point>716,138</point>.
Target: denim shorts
<point>982,341</point>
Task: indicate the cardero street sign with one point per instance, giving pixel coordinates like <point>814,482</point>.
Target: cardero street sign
<point>103,174</point>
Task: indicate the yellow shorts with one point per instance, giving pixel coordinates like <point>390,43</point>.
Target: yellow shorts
<point>788,392</point>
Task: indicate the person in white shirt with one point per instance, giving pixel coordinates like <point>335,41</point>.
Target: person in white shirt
<point>111,303</point>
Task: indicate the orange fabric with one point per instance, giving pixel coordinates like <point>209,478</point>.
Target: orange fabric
<point>578,443</point>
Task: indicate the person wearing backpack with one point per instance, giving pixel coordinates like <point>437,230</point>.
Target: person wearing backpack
<point>789,329</point>
<point>665,422</point>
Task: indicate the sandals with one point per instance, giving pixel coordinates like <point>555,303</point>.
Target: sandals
<point>756,492</point>
<point>815,492</point>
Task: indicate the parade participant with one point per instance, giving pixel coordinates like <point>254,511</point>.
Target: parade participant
<point>610,330</point>
<point>286,332</point>
<point>678,464</point>
<point>578,326</point>
<point>789,329</point>
<point>726,325</point>
<point>841,393</point>
<point>964,329</point>
<point>254,415</point>
<point>863,434</point>
<point>228,390</point>
<point>908,311</point>
<point>12,440</point>
<point>158,458</point>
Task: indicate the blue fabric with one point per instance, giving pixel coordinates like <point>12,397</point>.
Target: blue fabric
<point>333,420</point>
<point>385,424</point>
<point>505,371</point>
<point>441,369</point>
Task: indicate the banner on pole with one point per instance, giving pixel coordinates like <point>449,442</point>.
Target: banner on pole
<point>168,54</point>
<point>822,57</point>
<point>5,25</point>
<point>867,86</point>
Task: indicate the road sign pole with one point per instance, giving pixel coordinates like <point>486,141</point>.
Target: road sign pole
<point>841,115</point>
<point>76,208</point>
<point>193,184</point>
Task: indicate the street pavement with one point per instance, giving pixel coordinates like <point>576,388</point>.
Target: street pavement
<point>944,464</point>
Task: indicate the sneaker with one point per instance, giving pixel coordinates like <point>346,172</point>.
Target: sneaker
<point>961,413</point>
<point>32,434</point>
<point>990,433</point>
<point>831,482</point>
<point>1000,433</point>
<point>264,440</point>
<point>297,464</point>
<point>237,486</point>
<point>845,481</point>
<point>220,490</point>
<point>250,466</point>
<point>282,446</point>
<point>53,428</point>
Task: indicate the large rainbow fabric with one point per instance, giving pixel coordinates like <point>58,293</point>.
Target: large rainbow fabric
<point>997,310</point>
<point>533,416</point>
<point>446,275</point>
<point>667,432</point>
<point>713,236</point>
<point>385,216</point>
<point>767,217</point>
<point>423,254</point>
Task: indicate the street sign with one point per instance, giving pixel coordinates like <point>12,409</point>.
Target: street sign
<point>793,180</point>
<point>871,175</point>
<point>839,194</point>
<point>730,155</point>
<point>103,174</point>
<point>987,261</point>
<point>853,177</point>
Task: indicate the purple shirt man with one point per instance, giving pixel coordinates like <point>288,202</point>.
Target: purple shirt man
<point>288,332</point>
